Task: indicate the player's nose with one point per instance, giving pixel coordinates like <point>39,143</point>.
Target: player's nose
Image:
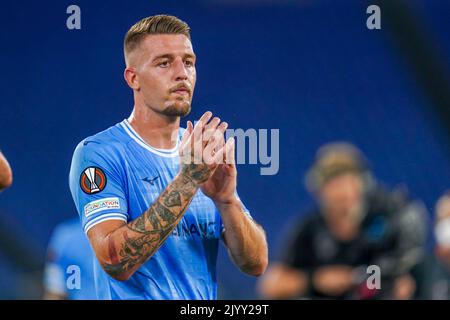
<point>180,71</point>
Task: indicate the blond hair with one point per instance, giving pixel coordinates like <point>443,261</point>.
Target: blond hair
<point>332,160</point>
<point>158,24</point>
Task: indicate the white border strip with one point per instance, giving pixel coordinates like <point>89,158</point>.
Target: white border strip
<point>105,217</point>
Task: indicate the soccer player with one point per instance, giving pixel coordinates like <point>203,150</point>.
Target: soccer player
<point>6,176</point>
<point>68,270</point>
<point>155,199</point>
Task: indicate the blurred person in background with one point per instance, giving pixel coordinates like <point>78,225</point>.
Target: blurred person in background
<point>68,271</point>
<point>357,223</point>
<point>6,176</point>
<point>439,277</point>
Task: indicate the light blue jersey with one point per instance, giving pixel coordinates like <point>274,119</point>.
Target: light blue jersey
<point>116,175</point>
<point>69,265</point>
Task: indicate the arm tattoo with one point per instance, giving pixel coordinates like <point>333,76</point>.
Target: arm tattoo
<point>141,238</point>
<point>199,173</point>
<point>173,199</point>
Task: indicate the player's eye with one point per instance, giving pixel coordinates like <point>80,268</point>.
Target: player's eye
<point>163,64</point>
<point>189,63</point>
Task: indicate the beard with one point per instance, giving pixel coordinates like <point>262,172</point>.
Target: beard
<point>180,108</point>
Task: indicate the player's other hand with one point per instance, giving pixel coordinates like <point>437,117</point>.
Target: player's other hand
<point>202,148</point>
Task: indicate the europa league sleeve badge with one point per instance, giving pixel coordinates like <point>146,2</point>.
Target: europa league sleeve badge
<point>92,180</point>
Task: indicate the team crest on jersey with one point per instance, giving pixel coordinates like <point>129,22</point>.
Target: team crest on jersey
<point>92,180</point>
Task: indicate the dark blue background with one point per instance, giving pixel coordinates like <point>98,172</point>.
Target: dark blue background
<point>310,68</point>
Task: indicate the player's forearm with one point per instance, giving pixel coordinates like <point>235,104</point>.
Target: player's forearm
<point>133,244</point>
<point>245,239</point>
<point>5,173</point>
<point>48,295</point>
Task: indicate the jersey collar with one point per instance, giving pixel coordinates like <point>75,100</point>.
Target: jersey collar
<point>168,153</point>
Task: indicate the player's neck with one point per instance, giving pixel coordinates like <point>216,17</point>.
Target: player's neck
<point>157,130</point>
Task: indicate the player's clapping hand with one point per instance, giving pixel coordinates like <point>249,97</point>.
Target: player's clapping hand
<point>202,148</point>
<point>221,186</point>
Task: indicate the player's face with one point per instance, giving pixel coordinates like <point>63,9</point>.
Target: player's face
<point>166,73</point>
<point>342,196</point>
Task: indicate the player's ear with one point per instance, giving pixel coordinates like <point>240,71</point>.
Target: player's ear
<point>131,78</point>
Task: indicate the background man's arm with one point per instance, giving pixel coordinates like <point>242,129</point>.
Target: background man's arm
<point>6,176</point>
<point>283,282</point>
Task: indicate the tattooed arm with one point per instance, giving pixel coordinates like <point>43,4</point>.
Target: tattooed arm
<point>122,248</point>
<point>5,173</point>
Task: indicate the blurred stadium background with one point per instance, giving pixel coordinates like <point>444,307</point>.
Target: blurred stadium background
<point>308,67</point>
